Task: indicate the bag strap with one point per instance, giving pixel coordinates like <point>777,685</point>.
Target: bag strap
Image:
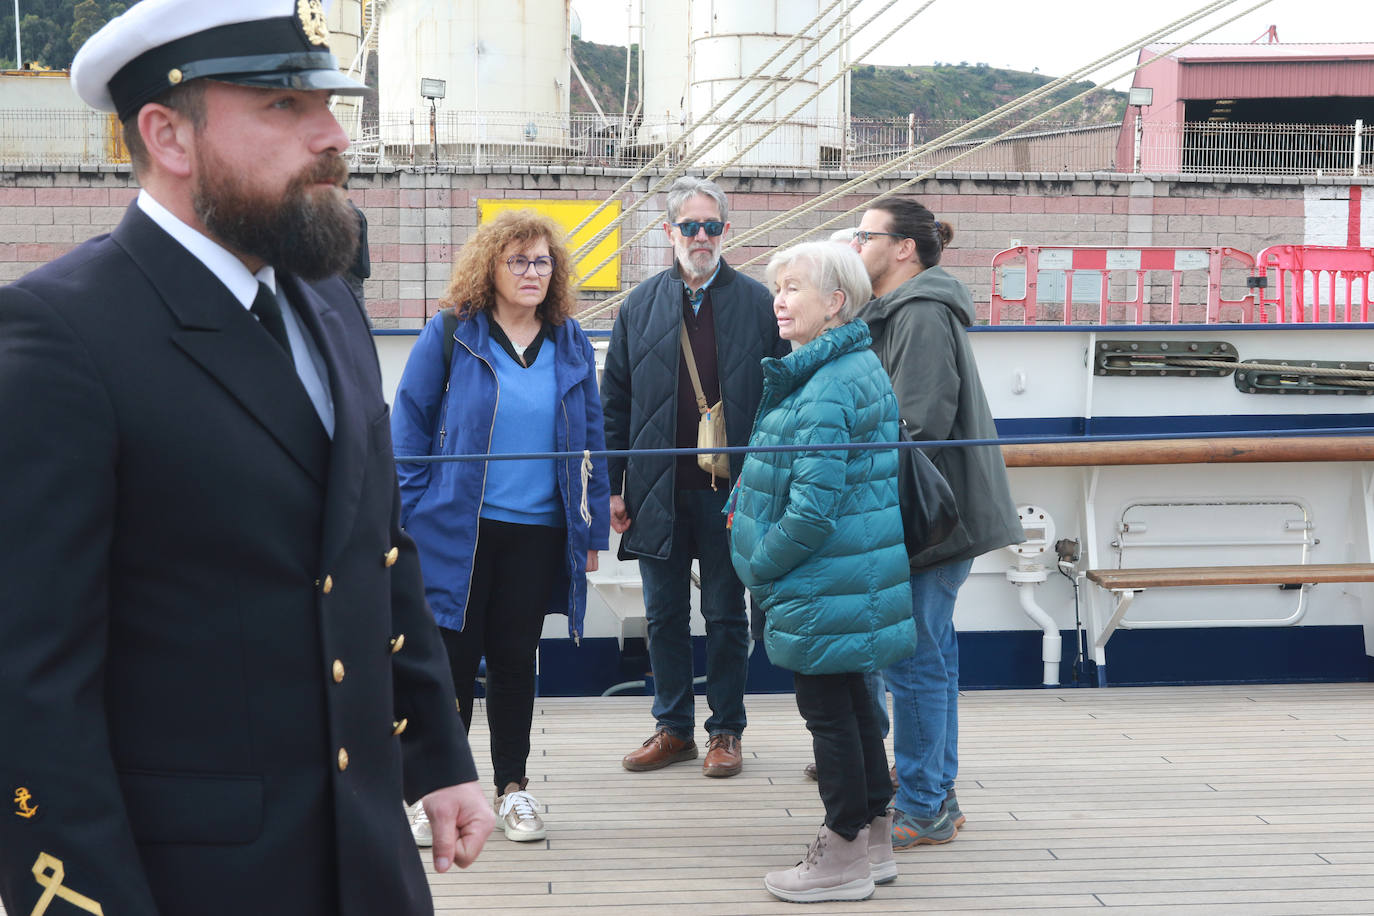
<point>692,372</point>
<point>450,328</point>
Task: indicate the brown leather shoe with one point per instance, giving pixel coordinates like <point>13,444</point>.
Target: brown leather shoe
<point>659,750</point>
<point>723,756</point>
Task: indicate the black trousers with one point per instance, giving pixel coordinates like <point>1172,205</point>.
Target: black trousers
<point>513,576</point>
<point>851,761</point>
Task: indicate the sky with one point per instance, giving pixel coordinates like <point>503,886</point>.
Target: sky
<point>1057,36</point>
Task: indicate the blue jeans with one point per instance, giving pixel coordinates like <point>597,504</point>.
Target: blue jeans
<point>925,694</point>
<point>698,531</point>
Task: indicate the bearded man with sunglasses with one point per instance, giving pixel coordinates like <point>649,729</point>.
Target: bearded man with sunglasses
<point>668,510</point>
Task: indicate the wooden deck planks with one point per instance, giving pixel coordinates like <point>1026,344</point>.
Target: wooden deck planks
<point>1249,800</point>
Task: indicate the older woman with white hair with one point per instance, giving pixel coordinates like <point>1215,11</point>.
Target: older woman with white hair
<point>816,535</point>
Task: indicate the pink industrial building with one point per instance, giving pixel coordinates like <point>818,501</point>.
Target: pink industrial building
<point>1202,92</point>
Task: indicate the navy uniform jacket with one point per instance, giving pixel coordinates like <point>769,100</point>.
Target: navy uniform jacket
<point>211,624</point>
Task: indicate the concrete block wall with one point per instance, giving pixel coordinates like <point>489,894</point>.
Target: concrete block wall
<point>418,220</point>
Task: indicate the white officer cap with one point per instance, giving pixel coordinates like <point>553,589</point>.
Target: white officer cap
<point>159,44</point>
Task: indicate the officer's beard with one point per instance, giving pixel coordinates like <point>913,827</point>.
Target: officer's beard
<point>307,230</point>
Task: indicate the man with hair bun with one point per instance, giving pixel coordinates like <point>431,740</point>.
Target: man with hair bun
<point>218,676</point>
<point>918,319</point>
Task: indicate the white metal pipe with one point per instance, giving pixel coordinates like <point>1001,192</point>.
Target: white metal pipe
<point>1051,644</point>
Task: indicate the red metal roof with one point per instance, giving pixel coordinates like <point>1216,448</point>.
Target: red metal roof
<point>1259,71</point>
<point>1292,51</point>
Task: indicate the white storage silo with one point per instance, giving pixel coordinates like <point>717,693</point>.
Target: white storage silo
<point>504,62</point>
<point>833,104</point>
<point>721,42</point>
<point>345,21</point>
<point>667,71</point>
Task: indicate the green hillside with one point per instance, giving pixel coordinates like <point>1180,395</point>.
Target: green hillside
<point>962,92</point>
<point>603,67</point>
<point>955,92</point>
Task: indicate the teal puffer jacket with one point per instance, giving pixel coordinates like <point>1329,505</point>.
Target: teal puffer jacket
<point>817,536</point>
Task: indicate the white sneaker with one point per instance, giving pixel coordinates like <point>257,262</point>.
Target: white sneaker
<point>419,826</point>
<point>518,811</point>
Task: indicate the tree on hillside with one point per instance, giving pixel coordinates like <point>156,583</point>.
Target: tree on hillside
<point>87,18</point>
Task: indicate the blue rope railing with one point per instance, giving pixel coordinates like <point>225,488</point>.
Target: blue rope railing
<point>935,444</point>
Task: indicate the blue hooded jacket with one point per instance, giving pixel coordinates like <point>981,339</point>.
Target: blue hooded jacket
<point>817,536</point>
<point>441,502</point>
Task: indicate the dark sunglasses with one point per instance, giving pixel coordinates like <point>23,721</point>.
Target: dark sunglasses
<point>691,227</point>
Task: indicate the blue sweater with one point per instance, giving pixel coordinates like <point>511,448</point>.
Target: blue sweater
<point>817,536</point>
<point>524,492</point>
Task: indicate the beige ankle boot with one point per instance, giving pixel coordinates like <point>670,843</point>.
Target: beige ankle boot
<point>882,864</point>
<point>834,869</point>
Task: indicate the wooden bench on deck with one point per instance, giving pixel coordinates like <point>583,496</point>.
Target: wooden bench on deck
<point>1126,584</point>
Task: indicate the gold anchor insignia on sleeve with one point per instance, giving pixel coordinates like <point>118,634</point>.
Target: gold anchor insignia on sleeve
<point>22,797</point>
<point>49,872</point>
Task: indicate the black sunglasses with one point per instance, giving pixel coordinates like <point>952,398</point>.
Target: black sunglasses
<point>691,227</point>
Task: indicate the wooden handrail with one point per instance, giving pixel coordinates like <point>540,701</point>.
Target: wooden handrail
<point>1296,574</point>
<point>1189,451</point>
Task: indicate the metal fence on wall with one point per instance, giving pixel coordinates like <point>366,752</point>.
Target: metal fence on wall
<point>1221,148</point>
<point>46,138</point>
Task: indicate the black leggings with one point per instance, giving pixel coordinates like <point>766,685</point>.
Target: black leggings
<point>851,761</point>
<point>513,576</point>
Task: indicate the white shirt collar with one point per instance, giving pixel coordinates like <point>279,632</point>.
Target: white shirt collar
<point>232,272</point>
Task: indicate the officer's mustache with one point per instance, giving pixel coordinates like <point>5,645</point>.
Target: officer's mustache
<point>328,169</point>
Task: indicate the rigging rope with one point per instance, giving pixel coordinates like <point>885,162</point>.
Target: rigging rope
<point>964,130</point>
<point>702,150</point>
<point>951,136</point>
<point>1358,378</point>
<point>691,155</point>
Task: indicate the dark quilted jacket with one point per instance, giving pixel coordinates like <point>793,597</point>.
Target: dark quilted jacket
<point>639,390</point>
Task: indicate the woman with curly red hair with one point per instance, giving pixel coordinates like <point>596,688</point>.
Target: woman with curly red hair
<point>503,543</point>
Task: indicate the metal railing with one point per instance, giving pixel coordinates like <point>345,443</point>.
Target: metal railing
<point>31,137</point>
<point>1221,148</point>
<point>455,138</point>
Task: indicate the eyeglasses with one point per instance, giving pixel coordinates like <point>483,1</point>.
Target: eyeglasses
<point>519,265</point>
<point>862,236</point>
<point>691,227</point>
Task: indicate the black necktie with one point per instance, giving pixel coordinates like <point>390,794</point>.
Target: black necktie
<point>268,312</point>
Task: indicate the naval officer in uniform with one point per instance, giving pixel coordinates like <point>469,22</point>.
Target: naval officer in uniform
<point>218,676</point>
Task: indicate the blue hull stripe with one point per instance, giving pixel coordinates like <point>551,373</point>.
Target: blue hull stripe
<point>1011,659</point>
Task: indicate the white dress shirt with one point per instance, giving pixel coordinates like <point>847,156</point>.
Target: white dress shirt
<point>243,286</point>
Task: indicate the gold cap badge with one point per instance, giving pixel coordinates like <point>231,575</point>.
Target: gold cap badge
<point>311,14</point>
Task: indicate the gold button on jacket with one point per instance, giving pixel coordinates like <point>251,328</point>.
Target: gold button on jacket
<point>343,759</point>
<point>398,727</point>
<point>389,559</point>
<point>328,585</point>
<point>338,671</point>
<point>397,642</point>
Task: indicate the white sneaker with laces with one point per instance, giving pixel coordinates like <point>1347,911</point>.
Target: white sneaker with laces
<point>519,814</point>
<point>419,826</point>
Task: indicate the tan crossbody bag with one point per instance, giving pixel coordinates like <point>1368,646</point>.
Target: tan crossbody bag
<point>711,426</point>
